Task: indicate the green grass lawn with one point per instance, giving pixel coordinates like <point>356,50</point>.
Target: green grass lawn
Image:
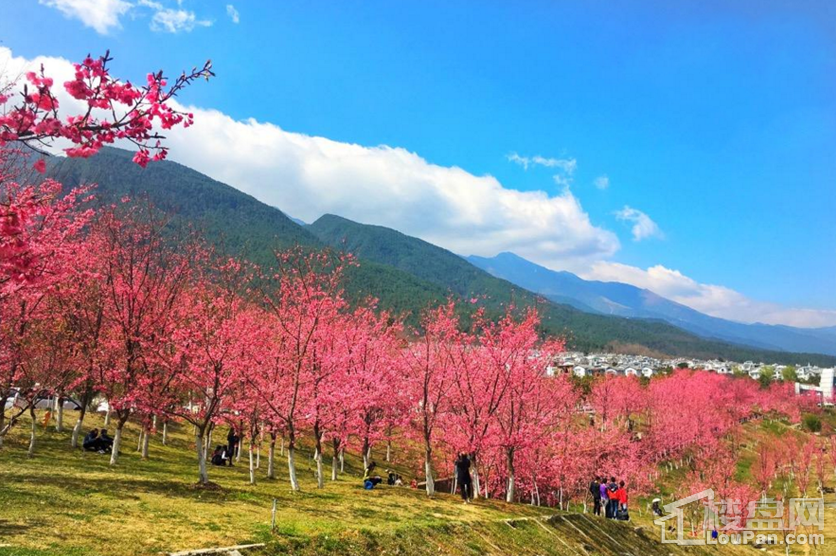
<point>65,501</point>
<point>69,502</point>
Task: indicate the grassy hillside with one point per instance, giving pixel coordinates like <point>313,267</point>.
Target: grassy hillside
<point>69,502</point>
<point>404,273</point>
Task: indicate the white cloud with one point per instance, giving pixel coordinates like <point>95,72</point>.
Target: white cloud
<point>233,13</point>
<point>602,182</point>
<point>309,176</point>
<point>568,165</point>
<point>174,21</point>
<point>101,15</point>
<point>718,301</point>
<point>643,226</point>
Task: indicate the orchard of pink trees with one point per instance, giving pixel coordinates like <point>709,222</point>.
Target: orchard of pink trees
<point>110,304</point>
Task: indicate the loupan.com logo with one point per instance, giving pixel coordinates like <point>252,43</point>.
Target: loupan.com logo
<point>700,519</point>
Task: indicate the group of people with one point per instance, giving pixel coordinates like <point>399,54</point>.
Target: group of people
<point>371,480</point>
<point>223,455</point>
<point>609,497</point>
<point>95,441</point>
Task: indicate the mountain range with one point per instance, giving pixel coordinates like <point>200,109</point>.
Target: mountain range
<point>406,274</point>
<point>625,300</point>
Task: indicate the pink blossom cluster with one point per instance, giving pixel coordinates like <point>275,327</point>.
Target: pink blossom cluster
<point>116,111</point>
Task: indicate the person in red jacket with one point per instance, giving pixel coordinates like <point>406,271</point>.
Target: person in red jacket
<point>621,495</point>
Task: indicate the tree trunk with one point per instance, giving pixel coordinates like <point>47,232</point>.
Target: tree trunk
<point>77,428</point>
<point>291,467</point>
<point>31,451</point>
<point>107,416</point>
<point>281,447</point>
<point>59,416</point>
<point>117,440</point>
<point>334,457</point>
<point>320,477</point>
<point>252,460</point>
<point>388,451</point>
<point>509,494</point>
<point>3,400</point>
<point>366,450</point>
<point>342,460</point>
<point>428,472</point>
<point>165,433</point>
<point>145,436</point>
<point>203,476</point>
<point>476,483</point>
<point>271,457</point>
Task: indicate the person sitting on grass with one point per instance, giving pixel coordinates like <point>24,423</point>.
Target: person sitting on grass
<point>105,441</point>
<point>370,481</point>
<point>92,442</point>
<point>219,456</point>
<point>657,507</point>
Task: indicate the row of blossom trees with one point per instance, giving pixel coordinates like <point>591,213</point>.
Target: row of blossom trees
<point>114,303</point>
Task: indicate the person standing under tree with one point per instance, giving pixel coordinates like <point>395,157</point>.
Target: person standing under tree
<point>595,491</point>
<point>463,477</point>
<point>232,440</point>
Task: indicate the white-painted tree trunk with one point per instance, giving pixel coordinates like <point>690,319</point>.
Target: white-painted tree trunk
<point>145,444</point>
<point>334,460</point>
<point>342,460</point>
<point>139,439</point>
<point>31,451</point>
<point>165,433</point>
<point>271,458</point>
<point>291,468</point>
<point>388,451</point>
<point>428,471</point>
<point>59,416</point>
<point>258,456</point>
<point>251,461</point>
<point>476,483</point>
<point>238,452</point>
<point>320,478</point>
<point>203,475</point>
<point>509,493</point>
<point>76,432</point>
<point>117,441</point>
<point>281,447</point>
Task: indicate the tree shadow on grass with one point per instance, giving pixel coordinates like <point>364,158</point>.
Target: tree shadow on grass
<point>129,488</point>
<point>7,528</point>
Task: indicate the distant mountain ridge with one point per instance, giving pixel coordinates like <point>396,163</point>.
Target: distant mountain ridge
<point>403,273</point>
<point>625,300</point>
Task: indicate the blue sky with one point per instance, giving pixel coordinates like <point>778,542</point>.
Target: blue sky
<point>716,120</point>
